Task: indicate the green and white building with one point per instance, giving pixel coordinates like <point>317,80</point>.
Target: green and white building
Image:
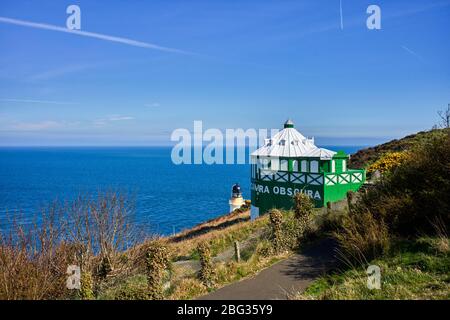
<point>289,163</point>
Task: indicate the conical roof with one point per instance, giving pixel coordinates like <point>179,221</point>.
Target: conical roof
<point>292,144</point>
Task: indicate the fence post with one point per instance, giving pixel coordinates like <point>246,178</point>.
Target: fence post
<point>237,251</point>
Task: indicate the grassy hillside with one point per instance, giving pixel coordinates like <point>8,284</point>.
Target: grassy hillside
<point>418,269</point>
<point>400,224</point>
<point>365,157</point>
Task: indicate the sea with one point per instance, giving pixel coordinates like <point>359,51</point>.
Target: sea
<point>168,197</point>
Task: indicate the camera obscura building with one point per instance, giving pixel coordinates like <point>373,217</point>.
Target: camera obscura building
<point>289,163</point>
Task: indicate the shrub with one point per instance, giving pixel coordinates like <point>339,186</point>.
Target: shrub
<point>87,284</point>
<point>361,237</point>
<point>104,268</point>
<point>276,220</point>
<point>86,232</point>
<point>303,206</point>
<point>388,162</point>
<point>24,275</point>
<point>264,249</point>
<point>34,260</point>
<point>206,270</point>
<point>407,202</point>
<point>288,229</point>
<point>303,211</point>
<point>157,264</point>
<point>417,193</point>
<point>292,232</point>
<point>330,221</point>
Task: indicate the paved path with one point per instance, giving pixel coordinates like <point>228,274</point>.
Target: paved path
<point>282,279</point>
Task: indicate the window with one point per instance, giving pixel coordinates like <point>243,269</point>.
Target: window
<point>264,163</point>
<point>282,142</point>
<point>284,165</point>
<point>275,164</point>
<point>333,166</point>
<point>304,166</point>
<point>344,165</point>
<point>314,166</point>
<point>295,165</point>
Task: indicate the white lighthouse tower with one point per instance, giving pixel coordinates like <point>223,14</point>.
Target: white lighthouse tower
<point>236,200</point>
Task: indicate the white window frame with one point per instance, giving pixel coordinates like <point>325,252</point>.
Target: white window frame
<point>284,165</point>
<point>314,166</point>
<point>264,163</point>
<point>304,166</point>
<point>275,164</point>
<point>295,165</point>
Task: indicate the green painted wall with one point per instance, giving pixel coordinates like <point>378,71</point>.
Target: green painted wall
<point>278,194</point>
<point>339,191</point>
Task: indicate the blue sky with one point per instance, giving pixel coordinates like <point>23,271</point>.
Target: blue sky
<point>234,64</point>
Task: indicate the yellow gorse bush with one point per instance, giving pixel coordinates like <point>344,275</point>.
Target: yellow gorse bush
<point>388,162</point>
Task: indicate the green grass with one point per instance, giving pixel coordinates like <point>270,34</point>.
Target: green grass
<point>417,269</point>
<point>133,288</point>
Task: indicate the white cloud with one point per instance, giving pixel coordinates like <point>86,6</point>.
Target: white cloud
<point>117,117</point>
<point>59,72</point>
<point>36,126</point>
<point>152,105</point>
<point>111,118</point>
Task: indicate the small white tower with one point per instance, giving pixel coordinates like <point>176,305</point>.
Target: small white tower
<point>236,200</point>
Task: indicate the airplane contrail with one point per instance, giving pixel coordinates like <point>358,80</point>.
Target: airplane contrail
<point>100,36</point>
<point>36,101</point>
<point>415,54</point>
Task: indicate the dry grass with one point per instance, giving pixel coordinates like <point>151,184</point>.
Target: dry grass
<point>91,233</point>
<point>361,237</point>
<point>188,288</point>
<point>220,238</point>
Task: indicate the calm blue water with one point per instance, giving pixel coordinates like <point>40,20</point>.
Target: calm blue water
<point>168,197</point>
